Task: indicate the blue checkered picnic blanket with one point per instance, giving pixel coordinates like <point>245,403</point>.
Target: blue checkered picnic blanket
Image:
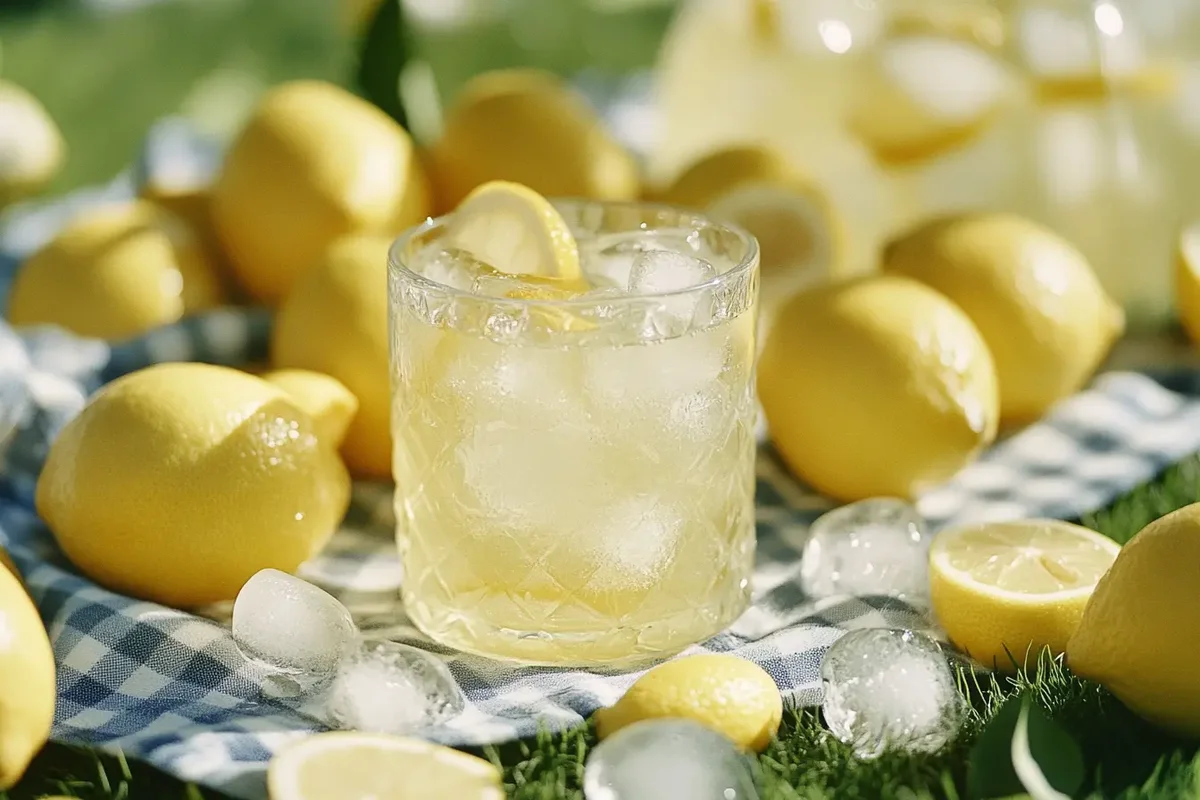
<point>171,688</point>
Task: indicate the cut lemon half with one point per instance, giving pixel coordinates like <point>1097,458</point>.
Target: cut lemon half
<point>352,766</point>
<point>927,95</point>
<point>515,230</point>
<point>755,188</point>
<point>1187,280</point>
<point>1003,591</point>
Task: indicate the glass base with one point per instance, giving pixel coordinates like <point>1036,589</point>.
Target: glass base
<point>616,646</point>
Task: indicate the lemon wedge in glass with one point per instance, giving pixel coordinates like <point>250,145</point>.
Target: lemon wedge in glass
<point>515,230</point>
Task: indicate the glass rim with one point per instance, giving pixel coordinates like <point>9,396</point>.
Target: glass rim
<point>747,264</point>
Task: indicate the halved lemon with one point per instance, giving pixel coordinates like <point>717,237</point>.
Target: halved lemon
<point>1187,280</point>
<point>754,187</point>
<point>1003,591</point>
<point>927,95</point>
<point>352,766</point>
<point>515,230</point>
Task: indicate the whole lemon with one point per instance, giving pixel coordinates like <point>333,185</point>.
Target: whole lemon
<point>325,399</point>
<point>528,127</point>
<point>877,386</point>
<point>26,681</point>
<point>116,271</point>
<point>1139,633</point>
<point>334,321</point>
<point>178,482</point>
<point>194,207</point>
<point>31,147</point>
<point>1033,296</point>
<point>1187,280</point>
<point>729,694</point>
<point>313,163</point>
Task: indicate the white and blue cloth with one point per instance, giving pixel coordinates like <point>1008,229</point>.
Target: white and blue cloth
<point>171,688</point>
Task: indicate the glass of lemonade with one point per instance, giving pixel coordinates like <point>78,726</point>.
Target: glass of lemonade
<point>575,468</point>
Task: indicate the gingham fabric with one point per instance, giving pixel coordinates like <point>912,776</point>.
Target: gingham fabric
<point>171,688</point>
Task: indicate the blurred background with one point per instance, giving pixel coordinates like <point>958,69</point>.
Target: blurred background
<point>1083,115</point>
<point>107,69</point>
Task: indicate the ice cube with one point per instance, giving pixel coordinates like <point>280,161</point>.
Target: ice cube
<point>872,547</point>
<point>523,475</point>
<point>632,543</point>
<point>701,416</point>
<point>608,261</point>
<point>290,625</point>
<point>889,689</point>
<point>450,266</point>
<point>664,272</point>
<point>386,687</point>
<point>525,385</point>
<point>630,377</point>
<point>664,758</point>
<point>660,271</point>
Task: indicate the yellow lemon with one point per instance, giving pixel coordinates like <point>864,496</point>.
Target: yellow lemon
<point>334,321</point>
<point>797,231</point>
<point>1138,636</point>
<point>1044,314</point>
<point>313,163</point>
<point>325,399</point>
<point>927,94</point>
<point>31,147</point>
<point>528,127</point>
<point>514,229</point>
<point>731,695</point>
<point>194,207</point>
<point>1187,280</point>
<point>1015,587</point>
<point>876,387</point>
<point>352,766</point>
<point>115,271</point>
<point>26,681</point>
<point>178,482</point>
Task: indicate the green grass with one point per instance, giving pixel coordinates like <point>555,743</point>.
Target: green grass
<point>1126,758</point>
<point>106,79</point>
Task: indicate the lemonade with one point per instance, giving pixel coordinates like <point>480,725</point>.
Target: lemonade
<point>574,456</point>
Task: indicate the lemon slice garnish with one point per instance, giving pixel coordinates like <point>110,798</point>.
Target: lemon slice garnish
<point>1015,587</point>
<point>515,230</point>
<point>349,766</point>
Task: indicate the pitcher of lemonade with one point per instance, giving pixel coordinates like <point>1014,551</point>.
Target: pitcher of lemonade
<point>1082,115</point>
